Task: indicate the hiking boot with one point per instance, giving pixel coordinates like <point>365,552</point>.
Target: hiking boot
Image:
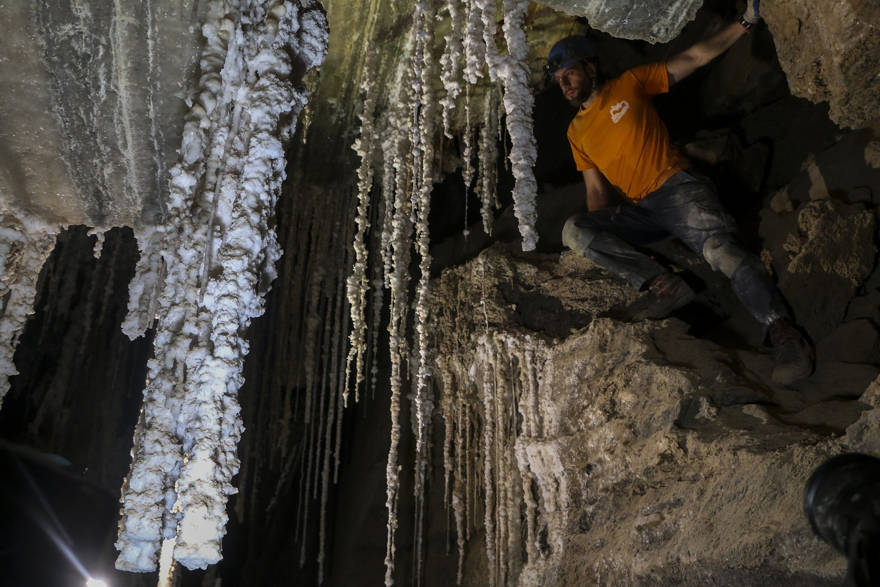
<point>667,293</point>
<point>792,353</point>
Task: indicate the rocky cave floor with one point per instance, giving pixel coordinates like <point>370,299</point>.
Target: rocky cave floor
<point>671,456</point>
<point>553,298</point>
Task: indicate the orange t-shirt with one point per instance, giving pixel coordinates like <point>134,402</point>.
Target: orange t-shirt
<point>622,135</point>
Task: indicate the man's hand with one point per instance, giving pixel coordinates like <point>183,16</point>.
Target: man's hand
<point>752,15</point>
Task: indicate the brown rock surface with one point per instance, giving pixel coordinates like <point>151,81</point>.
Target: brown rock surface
<point>857,341</point>
<point>642,455</point>
<point>654,21</point>
<point>830,51</point>
<point>822,252</point>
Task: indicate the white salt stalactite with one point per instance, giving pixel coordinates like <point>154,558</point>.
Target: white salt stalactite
<point>148,493</point>
<point>25,244</point>
<point>502,139</point>
<point>374,292</point>
<point>450,64</point>
<point>518,104</point>
<point>506,370</point>
<point>98,233</point>
<point>505,395</point>
<point>447,407</point>
<point>454,381</point>
<point>378,302</point>
<point>222,196</point>
<point>489,474</point>
<point>488,12</point>
<point>397,326</point>
<point>407,177</point>
<point>341,383</point>
<point>487,179</point>
<point>245,255</point>
<point>143,288</point>
<point>423,69</point>
<point>529,411</point>
<point>468,148</point>
<point>473,44</point>
<point>512,71</point>
<point>390,149</point>
<point>357,283</point>
<point>397,249</point>
<point>531,381</point>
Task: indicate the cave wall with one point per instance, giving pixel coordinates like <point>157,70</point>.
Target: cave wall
<point>831,54</point>
<point>93,107</point>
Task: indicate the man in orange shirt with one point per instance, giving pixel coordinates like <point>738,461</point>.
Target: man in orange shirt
<point>618,137</point>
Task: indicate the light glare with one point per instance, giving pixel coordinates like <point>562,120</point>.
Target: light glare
<point>92,582</point>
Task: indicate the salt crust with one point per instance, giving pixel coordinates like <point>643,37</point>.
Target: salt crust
<point>25,244</point>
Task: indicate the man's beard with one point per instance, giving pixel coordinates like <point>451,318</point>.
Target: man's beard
<point>583,93</point>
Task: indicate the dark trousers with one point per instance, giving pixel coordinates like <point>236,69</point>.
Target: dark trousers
<point>686,206</point>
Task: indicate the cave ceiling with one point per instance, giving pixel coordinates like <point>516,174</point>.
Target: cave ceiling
<point>94,92</point>
<point>92,107</point>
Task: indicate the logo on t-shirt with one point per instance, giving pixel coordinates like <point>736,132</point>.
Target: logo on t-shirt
<point>618,110</point>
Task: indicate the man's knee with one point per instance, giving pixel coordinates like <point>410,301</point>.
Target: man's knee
<point>577,238</point>
<point>723,254</point>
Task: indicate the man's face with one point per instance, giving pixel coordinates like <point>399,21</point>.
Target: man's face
<point>576,82</point>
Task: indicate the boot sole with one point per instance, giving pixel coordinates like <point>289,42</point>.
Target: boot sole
<point>650,308</point>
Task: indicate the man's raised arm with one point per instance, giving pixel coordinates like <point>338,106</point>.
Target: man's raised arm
<point>683,64</point>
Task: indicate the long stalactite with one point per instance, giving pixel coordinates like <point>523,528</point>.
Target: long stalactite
<point>218,251</point>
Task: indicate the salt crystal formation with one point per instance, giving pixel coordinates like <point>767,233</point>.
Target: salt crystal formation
<point>485,394</point>
<point>423,165</point>
<point>518,103</point>
<point>487,187</point>
<point>25,243</point>
<point>511,71</point>
<point>357,284</point>
<point>409,167</point>
<point>450,63</point>
<point>218,254</point>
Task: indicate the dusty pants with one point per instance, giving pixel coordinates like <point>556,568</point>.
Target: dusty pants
<point>687,207</point>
